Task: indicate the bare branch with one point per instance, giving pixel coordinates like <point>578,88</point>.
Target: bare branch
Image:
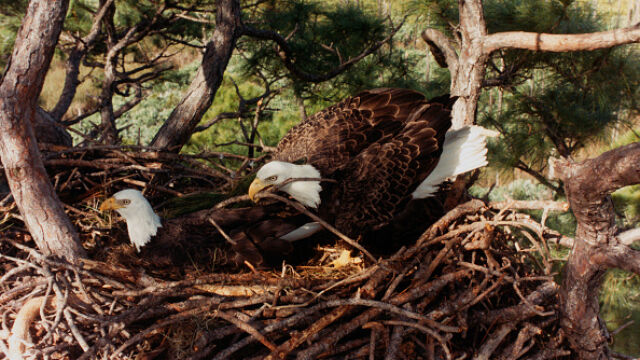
<point>535,204</point>
<point>73,63</point>
<point>441,48</point>
<point>129,104</point>
<point>561,42</point>
<point>178,128</point>
<point>629,237</point>
<point>623,257</point>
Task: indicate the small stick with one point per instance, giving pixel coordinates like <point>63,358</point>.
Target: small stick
<point>224,234</point>
<point>290,180</point>
<point>425,330</point>
<point>232,200</point>
<point>74,330</point>
<point>248,328</point>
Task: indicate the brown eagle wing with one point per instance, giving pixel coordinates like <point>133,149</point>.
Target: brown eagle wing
<point>377,182</point>
<point>333,136</point>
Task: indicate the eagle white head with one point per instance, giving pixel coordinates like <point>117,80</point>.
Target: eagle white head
<point>142,222</point>
<point>276,173</point>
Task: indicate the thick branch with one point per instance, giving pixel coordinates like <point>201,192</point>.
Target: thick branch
<point>177,130</point>
<point>19,89</point>
<point>596,248</point>
<point>623,257</point>
<point>561,42</point>
<point>442,49</point>
<point>630,236</point>
<point>589,184</point>
<point>73,64</point>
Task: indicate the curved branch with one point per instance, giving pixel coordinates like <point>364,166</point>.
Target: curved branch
<point>286,54</point>
<point>73,63</point>
<point>442,49</point>
<point>630,236</point>
<point>623,257</point>
<point>596,248</point>
<point>561,42</point>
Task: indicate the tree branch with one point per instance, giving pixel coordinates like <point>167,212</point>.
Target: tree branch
<point>623,257</point>
<point>630,236</point>
<point>551,205</point>
<point>596,248</point>
<point>441,48</point>
<point>73,63</point>
<point>286,54</point>
<point>177,130</point>
<point>561,42</point>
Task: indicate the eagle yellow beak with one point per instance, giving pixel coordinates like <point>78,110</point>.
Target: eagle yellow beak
<point>256,186</point>
<point>110,204</point>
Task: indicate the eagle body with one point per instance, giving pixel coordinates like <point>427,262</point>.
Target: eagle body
<point>381,148</point>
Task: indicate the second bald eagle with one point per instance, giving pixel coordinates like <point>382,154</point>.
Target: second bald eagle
<point>383,147</point>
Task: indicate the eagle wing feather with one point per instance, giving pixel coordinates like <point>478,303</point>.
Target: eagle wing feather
<point>379,180</point>
<point>333,136</point>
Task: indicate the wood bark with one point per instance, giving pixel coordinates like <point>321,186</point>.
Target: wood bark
<point>561,42</point>
<point>175,132</point>
<point>588,184</point>
<point>597,247</point>
<point>19,89</point>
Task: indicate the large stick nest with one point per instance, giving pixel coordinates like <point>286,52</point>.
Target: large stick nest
<point>479,283</point>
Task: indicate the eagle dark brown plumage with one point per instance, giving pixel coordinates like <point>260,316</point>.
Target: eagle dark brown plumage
<point>378,146</point>
<point>384,150</point>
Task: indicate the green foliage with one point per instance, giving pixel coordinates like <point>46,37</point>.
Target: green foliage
<point>346,30</point>
<point>627,204</point>
<point>619,305</point>
<point>554,104</point>
<point>11,13</point>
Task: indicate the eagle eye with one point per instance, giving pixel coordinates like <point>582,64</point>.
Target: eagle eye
<point>272,178</point>
<point>125,202</point>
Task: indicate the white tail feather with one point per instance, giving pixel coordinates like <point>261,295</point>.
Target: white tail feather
<point>464,149</point>
<point>302,232</point>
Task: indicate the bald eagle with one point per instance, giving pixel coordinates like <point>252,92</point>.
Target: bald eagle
<point>142,221</point>
<point>383,148</point>
<point>247,225</point>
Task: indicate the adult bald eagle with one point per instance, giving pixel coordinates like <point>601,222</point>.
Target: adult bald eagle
<point>383,147</point>
<point>142,221</point>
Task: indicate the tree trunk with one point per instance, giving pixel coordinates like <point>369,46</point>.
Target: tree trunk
<point>472,61</point>
<point>587,185</point>
<point>596,246</point>
<point>177,130</point>
<point>19,89</point>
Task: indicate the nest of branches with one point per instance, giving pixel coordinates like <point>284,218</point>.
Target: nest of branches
<point>479,283</point>
<point>81,171</point>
